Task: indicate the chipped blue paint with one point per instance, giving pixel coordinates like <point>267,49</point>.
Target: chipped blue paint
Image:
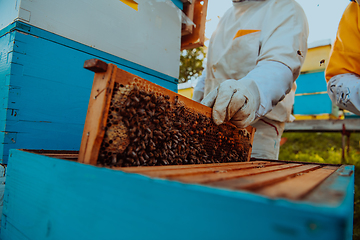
<point>47,198</point>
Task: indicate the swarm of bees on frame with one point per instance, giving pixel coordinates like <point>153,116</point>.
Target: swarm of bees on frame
<point>146,128</point>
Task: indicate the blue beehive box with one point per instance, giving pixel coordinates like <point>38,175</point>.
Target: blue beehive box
<point>311,96</point>
<point>45,90</point>
<point>48,198</point>
<point>43,45</point>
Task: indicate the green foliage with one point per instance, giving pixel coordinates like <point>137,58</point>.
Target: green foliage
<point>191,62</point>
<point>319,147</point>
<point>326,148</point>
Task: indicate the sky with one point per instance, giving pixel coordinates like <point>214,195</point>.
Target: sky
<point>323,17</point>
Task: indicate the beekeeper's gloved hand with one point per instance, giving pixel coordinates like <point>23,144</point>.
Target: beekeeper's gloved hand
<point>234,100</point>
<point>344,91</point>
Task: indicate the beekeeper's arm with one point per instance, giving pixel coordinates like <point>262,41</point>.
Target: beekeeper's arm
<point>198,94</point>
<point>343,71</point>
<point>281,55</point>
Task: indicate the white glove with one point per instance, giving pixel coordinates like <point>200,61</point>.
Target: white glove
<point>343,90</point>
<point>198,96</point>
<point>234,100</point>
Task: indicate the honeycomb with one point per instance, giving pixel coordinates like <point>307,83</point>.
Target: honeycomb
<point>146,127</point>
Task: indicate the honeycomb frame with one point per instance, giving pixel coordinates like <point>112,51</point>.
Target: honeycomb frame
<point>133,122</point>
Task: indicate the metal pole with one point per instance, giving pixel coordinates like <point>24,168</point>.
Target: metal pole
<point>343,148</point>
<point>344,133</point>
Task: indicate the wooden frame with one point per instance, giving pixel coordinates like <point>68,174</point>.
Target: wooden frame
<point>188,10</point>
<point>193,37</point>
<point>106,76</point>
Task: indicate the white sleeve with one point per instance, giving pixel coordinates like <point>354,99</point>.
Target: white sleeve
<point>274,80</point>
<point>200,85</point>
<point>344,91</point>
<point>198,93</point>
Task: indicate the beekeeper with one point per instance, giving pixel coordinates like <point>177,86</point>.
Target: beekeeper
<point>343,71</point>
<point>253,59</point>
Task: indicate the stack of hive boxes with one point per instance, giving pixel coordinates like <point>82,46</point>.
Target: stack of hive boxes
<point>43,46</point>
<point>311,98</point>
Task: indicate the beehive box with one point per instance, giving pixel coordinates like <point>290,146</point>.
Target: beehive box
<point>51,198</point>
<point>130,33</point>
<point>132,122</point>
<point>53,195</point>
<point>311,85</point>
<point>44,99</point>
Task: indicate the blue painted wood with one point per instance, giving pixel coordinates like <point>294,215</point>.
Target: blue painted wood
<point>7,29</point>
<point>45,90</point>
<point>348,115</point>
<point>6,46</point>
<point>48,198</point>
<point>131,67</point>
<point>313,104</point>
<point>344,183</point>
<point>316,103</point>
<point>178,3</point>
<point>311,83</point>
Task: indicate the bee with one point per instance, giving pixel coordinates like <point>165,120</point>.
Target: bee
<point>322,62</point>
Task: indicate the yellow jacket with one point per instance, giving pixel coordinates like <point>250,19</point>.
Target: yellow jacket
<point>343,71</point>
<point>345,53</point>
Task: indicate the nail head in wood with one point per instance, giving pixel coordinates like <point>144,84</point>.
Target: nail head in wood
<point>96,65</point>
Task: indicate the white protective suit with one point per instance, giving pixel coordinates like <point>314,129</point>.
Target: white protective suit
<point>256,53</point>
<point>198,94</point>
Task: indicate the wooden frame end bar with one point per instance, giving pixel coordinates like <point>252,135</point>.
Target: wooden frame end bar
<point>96,65</point>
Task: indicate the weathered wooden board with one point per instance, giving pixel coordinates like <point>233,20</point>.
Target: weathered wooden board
<point>298,187</point>
<point>219,176</point>
<point>188,10</point>
<point>97,113</point>
<point>204,170</point>
<point>194,36</point>
<point>352,125</point>
<point>271,178</point>
<point>177,167</point>
<point>60,154</point>
<point>260,180</point>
